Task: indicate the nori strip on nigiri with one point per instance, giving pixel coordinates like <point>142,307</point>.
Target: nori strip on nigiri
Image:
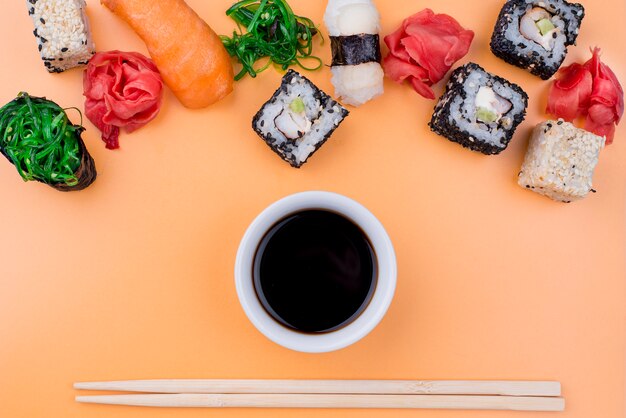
<point>355,49</point>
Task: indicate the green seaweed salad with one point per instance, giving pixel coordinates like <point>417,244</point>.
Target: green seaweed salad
<point>273,31</point>
<point>43,145</point>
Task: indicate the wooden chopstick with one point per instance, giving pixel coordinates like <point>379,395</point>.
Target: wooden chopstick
<point>399,387</point>
<point>282,400</point>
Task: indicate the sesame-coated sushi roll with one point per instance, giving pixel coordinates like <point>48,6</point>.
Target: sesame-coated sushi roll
<point>535,34</point>
<point>297,119</point>
<point>62,32</point>
<point>479,110</point>
<point>353,26</point>
<point>560,160</point>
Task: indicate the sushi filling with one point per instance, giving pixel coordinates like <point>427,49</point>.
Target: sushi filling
<point>537,25</point>
<point>292,121</point>
<point>490,106</point>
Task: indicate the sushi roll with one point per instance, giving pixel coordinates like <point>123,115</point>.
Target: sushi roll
<point>353,26</point>
<point>37,137</point>
<point>479,110</point>
<point>560,160</point>
<point>534,34</point>
<point>297,119</point>
<point>62,31</point>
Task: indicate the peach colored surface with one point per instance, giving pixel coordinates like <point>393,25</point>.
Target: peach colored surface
<point>133,277</point>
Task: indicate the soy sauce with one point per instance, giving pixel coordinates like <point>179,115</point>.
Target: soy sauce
<point>315,271</point>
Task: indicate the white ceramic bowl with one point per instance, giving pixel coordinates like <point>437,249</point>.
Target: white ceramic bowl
<point>365,322</point>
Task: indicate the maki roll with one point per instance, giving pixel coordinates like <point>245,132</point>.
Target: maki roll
<point>560,160</point>
<point>353,26</point>
<point>535,34</point>
<point>297,119</point>
<point>62,32</point>
<point>37,137</point>
<point>479,110</point>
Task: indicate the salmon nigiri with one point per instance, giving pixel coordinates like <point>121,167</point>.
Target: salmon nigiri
<point>189,54</point>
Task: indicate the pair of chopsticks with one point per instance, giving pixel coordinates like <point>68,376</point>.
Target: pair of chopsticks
<point>415,394</point>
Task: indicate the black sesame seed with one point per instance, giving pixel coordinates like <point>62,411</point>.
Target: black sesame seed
<point>331,111</point>
<point>560,122</point>
<point>64,49</point>
<point>60,59</point>
<point>42,20</point>
<point>528,186</point>
<point>262,123</point>
<point>31,11</point>
<point>32,1</point>
<point>39,47</point>
<point>35,33</point>
<point>43,40</point>
<point>593,190</point>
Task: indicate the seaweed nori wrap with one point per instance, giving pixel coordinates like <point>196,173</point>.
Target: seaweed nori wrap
<point>355,49</point>
<point>37,137</point>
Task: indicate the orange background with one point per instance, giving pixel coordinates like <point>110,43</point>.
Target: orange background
<point>133,277</point>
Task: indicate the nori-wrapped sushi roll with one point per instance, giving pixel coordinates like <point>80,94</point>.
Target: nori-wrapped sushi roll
<point>534,34</point>
<point>297,119</point>
<point>37,137</point>
<point>479,110</point>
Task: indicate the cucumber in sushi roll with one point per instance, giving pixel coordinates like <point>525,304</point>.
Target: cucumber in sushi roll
<point>37,137</point>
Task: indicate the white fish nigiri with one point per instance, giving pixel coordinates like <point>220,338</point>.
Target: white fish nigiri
<point>353,26</point>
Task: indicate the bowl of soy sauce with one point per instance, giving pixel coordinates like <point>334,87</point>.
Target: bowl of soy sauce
<point>315,272</point>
